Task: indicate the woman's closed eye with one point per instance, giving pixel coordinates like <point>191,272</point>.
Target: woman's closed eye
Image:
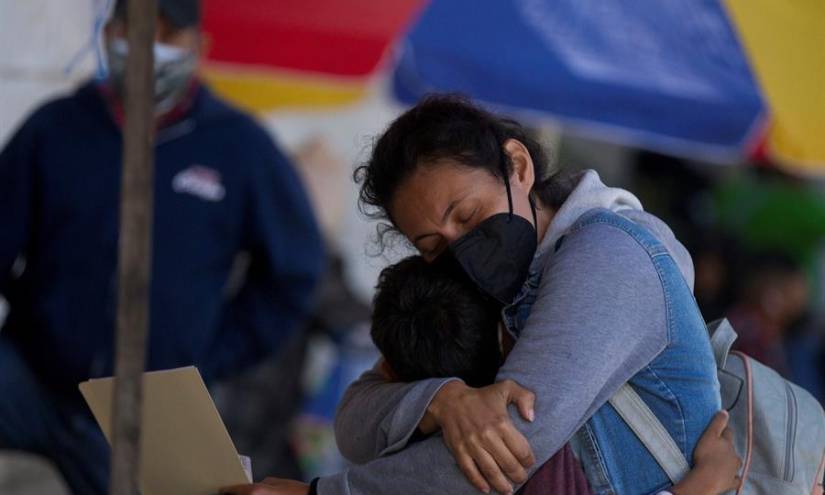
<point>431,245</point>
<point>467,216</point>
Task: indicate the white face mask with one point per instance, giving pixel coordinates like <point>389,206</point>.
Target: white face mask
<point>173,70</point>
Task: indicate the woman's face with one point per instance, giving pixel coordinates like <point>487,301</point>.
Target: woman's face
<point>442,201</point>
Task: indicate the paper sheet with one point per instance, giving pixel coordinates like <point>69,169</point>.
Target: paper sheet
<point>186,448</point>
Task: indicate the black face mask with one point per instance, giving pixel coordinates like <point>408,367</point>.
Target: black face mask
<point>498,252</point>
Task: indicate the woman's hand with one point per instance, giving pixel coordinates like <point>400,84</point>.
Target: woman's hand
<point>478,431</point>
<point>269,486</point>
<point>715,462</point>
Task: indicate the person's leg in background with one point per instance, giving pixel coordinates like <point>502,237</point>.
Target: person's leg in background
<point>34,420</point>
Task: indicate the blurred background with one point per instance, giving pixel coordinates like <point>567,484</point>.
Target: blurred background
<point>712,112</point>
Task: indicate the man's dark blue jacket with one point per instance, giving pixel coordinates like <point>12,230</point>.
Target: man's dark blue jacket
<point>222,188</point>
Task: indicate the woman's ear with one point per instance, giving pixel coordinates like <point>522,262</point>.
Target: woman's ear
<point>523,173</point>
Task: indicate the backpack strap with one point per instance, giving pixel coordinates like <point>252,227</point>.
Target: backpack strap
<point>650,432</point>
<point>722,336</point>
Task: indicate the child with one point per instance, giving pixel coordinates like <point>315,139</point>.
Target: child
<point>430,321</point>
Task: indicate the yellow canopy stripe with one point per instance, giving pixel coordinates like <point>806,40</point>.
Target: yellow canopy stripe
<point>785,45</point>
<point>264,89</point>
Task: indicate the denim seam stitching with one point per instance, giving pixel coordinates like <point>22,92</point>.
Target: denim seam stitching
<point>605,484</point>
<point>682,434</point>
<point>598,217</point>
<point>666,288</point>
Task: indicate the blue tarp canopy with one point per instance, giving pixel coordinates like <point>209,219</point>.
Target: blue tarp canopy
<point>669,75</point>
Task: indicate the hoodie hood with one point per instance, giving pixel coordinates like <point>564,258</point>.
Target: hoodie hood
<point>589,193</point>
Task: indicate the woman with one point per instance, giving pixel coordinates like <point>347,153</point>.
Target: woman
<point>597,293</point>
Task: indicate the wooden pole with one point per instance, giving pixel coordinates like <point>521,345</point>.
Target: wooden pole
<point>134,249</point>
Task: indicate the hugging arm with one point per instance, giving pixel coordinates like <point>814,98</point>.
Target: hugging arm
<point>376,417</point>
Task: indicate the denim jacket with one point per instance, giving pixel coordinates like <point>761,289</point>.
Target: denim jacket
<point>679,385</point>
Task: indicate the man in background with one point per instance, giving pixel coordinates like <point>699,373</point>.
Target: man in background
<point>223,193</point>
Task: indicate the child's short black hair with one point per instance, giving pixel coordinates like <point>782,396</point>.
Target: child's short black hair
<point>430,321</point>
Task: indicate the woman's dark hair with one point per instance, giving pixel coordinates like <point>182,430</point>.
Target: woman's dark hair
<point>429,321</point>
<point>449,127</point>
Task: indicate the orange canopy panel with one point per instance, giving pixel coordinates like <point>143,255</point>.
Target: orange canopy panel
<point>266,54</point>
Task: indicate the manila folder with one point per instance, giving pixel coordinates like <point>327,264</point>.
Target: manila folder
<point>186,448</point>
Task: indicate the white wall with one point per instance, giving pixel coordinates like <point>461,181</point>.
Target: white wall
<point>39,39</point>
<point>348,132</point>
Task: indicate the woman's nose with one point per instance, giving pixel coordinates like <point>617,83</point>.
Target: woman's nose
<point>452,232</point>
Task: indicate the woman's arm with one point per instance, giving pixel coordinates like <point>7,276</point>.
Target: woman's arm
<point>715,470</point>
<point>376,417</point>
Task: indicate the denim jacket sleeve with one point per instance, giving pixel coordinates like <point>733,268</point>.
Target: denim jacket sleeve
<point>599,318</point>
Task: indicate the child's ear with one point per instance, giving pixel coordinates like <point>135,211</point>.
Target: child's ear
<point>386,370</point>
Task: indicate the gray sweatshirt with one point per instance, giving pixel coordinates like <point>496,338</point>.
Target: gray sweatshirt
<point>598,319</point>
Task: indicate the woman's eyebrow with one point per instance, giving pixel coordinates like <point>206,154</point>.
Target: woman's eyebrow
<point>444,217</point>
<point>451,207</point>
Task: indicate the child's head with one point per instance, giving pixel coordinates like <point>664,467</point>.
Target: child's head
<point>430,321</point>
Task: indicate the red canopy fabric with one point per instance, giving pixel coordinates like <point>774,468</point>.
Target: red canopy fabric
<point>337,37</point>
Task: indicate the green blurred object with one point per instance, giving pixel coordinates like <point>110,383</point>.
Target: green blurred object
<point>776,214</point>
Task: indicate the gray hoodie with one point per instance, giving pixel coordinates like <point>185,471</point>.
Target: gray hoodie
<point>581,342</point>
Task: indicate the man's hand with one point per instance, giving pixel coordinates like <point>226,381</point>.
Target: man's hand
<point>269,486</point>
<point>478,431</point>
<point>715,462</point>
